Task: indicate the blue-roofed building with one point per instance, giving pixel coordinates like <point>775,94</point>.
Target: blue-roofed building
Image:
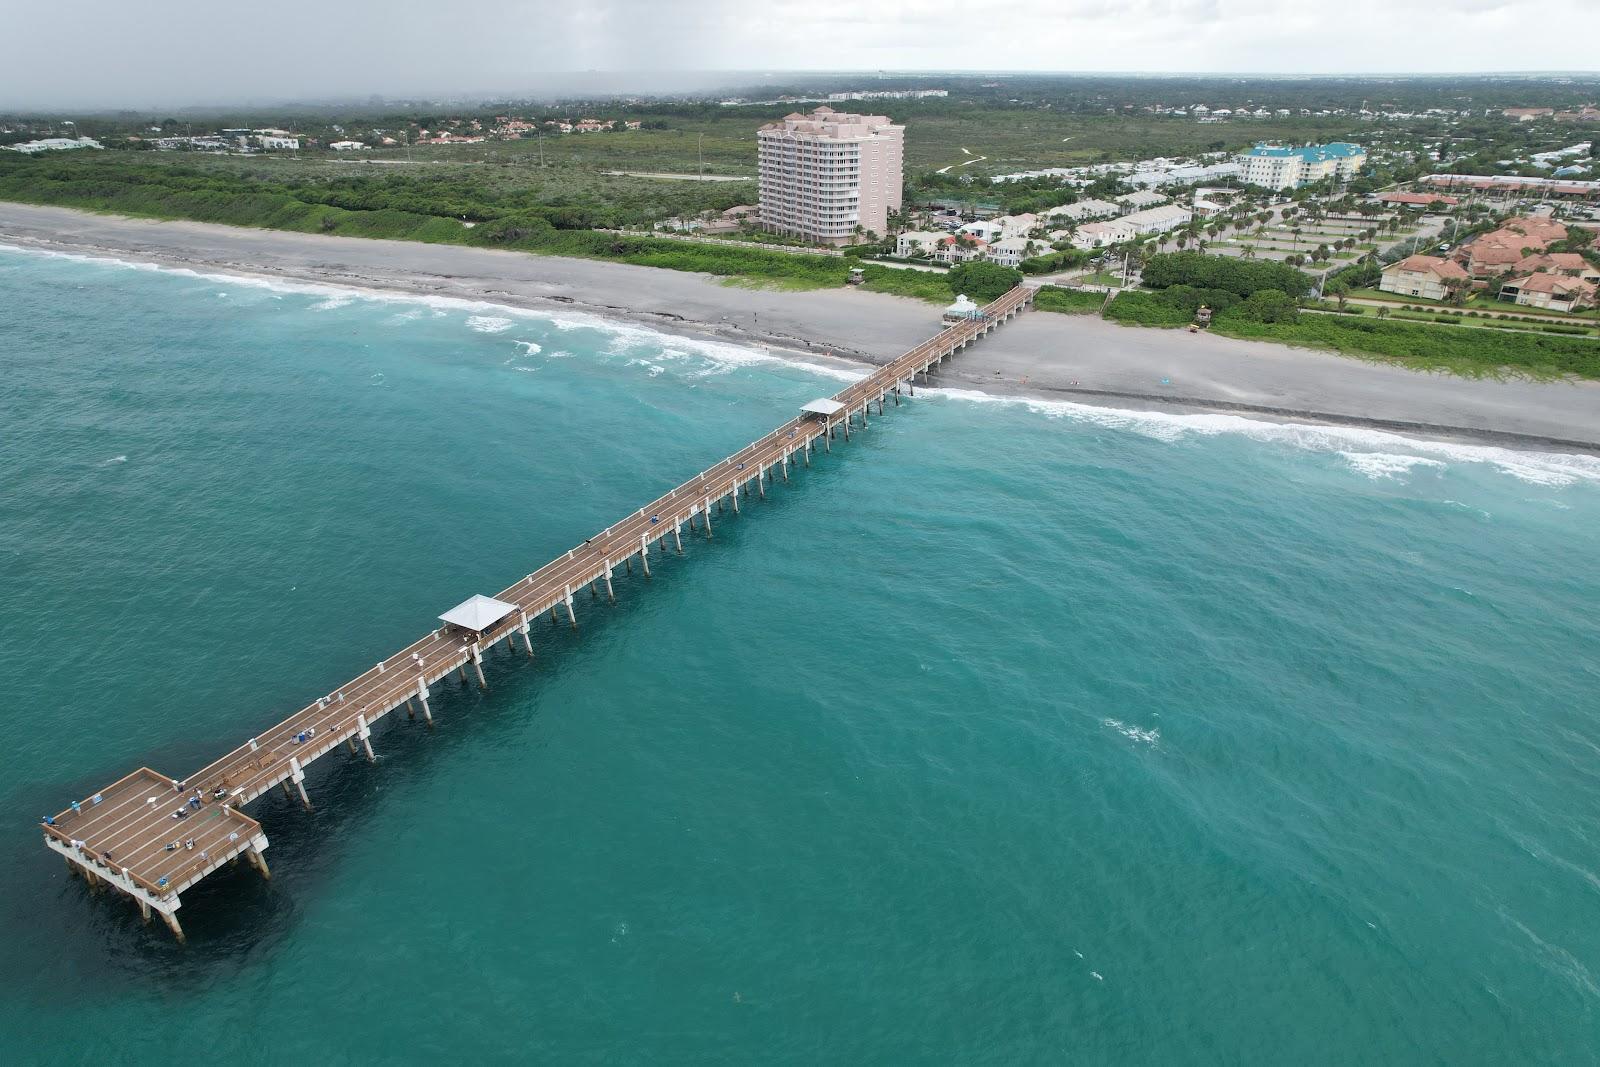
<point>1289,167</point>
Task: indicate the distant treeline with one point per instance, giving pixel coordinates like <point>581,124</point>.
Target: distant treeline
<point>390,205</point>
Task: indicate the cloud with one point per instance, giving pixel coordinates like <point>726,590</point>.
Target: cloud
<point>102,52</point>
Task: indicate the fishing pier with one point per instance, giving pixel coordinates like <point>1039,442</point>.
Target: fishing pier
<point>150,836</point>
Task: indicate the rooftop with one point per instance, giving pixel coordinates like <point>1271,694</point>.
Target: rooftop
<point>1311,153</point>
<point>1443,268</point>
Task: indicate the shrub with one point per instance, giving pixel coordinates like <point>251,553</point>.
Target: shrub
<point>1266,305</point>
<point>1239,276</point>
<point>1068,301</point>
<point>982,281</point>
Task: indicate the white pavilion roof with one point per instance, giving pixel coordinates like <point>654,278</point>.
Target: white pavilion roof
<point>478,613</point>
<point>823,406</point>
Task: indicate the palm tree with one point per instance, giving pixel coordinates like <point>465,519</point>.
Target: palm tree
<point>1247,251</point>
<point>1297,231</point>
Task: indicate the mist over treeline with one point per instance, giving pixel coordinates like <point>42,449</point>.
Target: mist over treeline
<point>679,93</point>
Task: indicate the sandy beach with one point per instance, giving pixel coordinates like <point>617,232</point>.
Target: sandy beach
<point>1081,359</point>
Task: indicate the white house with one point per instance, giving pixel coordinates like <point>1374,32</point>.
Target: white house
<point>1011,251</point>
<point>1100,234</point>
<point>346,146</point>
<point>1002,226</point>
<point>1154,220</point>
<point>917,242</point>
<point>1140,200</point>
<point>952,250</point>
<point>1158,219</point>
<point>1084,209</point>
<point>278,143</point>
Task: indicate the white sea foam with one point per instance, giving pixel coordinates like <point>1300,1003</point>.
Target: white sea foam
<point>529,348</point>
<point>1350,442</point>
<point>1537,468</point>
<point>1376,465</point>
<point>113,461</point>
<point>717,356</point>
<point>489,323</point>
<point>1150,737</point>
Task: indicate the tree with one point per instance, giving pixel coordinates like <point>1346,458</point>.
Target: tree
<point>982,281</point>
<point>1268,305</point>
<point>1383,313</point>
<point>1339,289</point>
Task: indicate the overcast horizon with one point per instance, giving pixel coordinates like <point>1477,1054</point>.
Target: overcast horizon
<point>182,53</point>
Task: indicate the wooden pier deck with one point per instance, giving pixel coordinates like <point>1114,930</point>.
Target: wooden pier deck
<point>130,835</point>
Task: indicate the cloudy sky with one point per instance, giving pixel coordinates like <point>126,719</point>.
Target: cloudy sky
<point>113,52</point>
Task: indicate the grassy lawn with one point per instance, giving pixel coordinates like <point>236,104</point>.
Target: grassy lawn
<point>1100,277</point>
<point>1592,329</point>
<point>1483,304</point>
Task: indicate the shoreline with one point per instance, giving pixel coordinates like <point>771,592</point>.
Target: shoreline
<point>1042,356</point>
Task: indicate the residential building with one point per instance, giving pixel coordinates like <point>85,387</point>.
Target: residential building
<point>917,242</point>
<point>1570,264</point>
<point>1100,234</point>
<point>1084,209</point>
<point>1528,114</point>
<point>1501,251</point>
<point>1282,167</point>
<point>346,146</point>
<point>1158,219</point>
<point>272,142</point>
<point>1011,251</point>
<point>1002,226</point>
<point>1422,276</point>
<point>56,144</point>
<point>1552,292</point>
<point>888,94</point>
<point>1140,200</point>
<point>830,175</point>
<point>1153,220</point>
<point>960,249</point>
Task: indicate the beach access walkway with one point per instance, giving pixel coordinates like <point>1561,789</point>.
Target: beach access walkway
<point>151,836</point>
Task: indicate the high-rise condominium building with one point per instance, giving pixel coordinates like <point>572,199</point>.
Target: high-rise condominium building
<point>1280,167</point>
<point>827,173</point>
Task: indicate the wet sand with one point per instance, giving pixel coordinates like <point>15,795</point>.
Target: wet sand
<point>1081,359</point>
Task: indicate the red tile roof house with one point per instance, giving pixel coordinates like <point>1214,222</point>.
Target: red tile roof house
<point>1422,276</point>
<point>1501,250</point>
<point>1553,292</point>
<point>1570,264</point>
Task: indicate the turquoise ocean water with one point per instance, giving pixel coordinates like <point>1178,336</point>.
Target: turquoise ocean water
<point>1009,733</point>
